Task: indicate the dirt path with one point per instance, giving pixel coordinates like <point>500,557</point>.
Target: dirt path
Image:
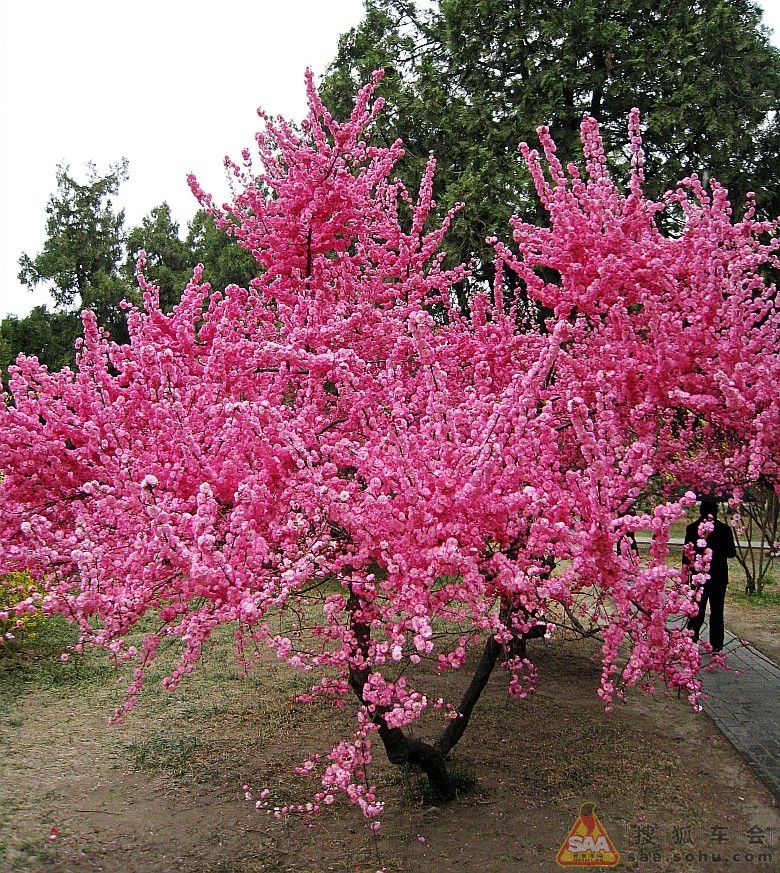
<point>64,768</point>
<point>164,792</point>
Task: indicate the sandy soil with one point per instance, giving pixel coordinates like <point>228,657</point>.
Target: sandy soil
<point>758,624</point>
<point>164,792</point>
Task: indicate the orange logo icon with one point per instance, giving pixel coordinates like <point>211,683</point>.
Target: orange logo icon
<point>587,844</point>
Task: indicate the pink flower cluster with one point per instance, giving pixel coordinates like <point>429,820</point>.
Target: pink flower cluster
<point>340,445</point>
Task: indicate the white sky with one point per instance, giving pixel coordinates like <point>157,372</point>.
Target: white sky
<point>171,85</point>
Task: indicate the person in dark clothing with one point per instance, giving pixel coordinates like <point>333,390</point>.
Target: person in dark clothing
<point>721,543</point>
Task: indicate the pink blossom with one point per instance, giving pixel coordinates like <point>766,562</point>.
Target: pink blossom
<point>338,451</point>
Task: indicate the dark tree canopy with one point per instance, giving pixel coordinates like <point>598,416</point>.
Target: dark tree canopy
<point>226,263</point>
<point>80,258</point>
<point>470,79</point>
<point>88,261</point>
<point>169,258</point>
<point>49,336</point>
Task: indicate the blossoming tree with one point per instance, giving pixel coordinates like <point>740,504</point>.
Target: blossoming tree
<point>339,444</point>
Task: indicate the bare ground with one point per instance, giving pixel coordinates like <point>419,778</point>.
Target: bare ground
<point>752,619</point>
<point>164,792</point>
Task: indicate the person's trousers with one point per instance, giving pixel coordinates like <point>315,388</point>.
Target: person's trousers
<point>715,595</point>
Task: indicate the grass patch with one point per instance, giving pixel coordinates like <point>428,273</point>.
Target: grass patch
<point>35,664</point>
<point>174,754</point>
<point>768,599</point>
<point>27,856</point>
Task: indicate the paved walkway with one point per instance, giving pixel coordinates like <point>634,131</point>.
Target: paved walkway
<point>744,703</point>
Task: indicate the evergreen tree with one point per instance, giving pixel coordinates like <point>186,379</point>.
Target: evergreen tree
<point>170,259</point>
<point>80,259</point>
<point>88,261</point>
<point>49,336</point>
<point>470,79</point>
<point>225,262</point>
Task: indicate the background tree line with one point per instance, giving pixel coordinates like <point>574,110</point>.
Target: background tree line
<point>470,79</point>
<point>466,80</point>
<point>88,262</point>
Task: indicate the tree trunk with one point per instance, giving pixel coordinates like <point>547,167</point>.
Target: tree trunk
<point>401,748</point>
<point>756,556</point>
